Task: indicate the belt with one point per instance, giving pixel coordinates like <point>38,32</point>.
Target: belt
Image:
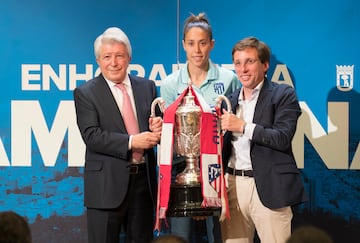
<point>137,168</point>
<point>232,171</point>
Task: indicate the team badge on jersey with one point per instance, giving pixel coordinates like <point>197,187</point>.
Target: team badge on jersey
<point>219,88</point>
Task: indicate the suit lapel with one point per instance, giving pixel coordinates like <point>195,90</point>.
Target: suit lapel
<point>234,100</point>
<point>262,101</point>
<point>108,102</point>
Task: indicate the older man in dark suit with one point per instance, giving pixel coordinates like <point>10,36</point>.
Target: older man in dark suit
<point>120,165</point>
<point>263,179</point>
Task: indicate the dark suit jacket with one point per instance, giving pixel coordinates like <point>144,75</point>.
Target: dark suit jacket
<point>276,175</point>
<point>106,175</point>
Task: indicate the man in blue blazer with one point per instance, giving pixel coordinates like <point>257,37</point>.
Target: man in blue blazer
<point>261,173</point>
<point>119,188</point>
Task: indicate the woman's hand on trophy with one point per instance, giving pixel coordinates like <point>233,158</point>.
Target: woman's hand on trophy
<point>155,124</point>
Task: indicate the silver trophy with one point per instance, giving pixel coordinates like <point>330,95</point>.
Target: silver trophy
<point>185,193</point>
<point>187,139</point>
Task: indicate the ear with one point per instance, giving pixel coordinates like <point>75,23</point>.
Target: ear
<point>266,66</point>
<point>183,44</point>
<point>212,44</point>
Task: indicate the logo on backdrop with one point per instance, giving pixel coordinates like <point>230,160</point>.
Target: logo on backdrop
<point>344,77</point>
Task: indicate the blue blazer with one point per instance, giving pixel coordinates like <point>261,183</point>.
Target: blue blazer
<point>276,175</point>
<point>102,127</point>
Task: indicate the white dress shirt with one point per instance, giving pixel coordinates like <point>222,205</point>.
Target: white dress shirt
<point>240,155</point>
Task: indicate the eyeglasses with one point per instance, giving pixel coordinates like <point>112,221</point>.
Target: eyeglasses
<point>247,62</point>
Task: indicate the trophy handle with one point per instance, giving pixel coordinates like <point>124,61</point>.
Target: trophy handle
<point>222,98</point>
<point>158,101</point>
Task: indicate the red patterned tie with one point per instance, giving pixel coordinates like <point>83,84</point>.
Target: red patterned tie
<point>131,123</point>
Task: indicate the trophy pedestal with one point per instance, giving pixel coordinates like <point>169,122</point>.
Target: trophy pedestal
<point>185,201</point>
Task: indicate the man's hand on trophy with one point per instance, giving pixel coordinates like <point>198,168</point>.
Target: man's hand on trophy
<point>145,140</point>
<point>230,122</point>
<point>155,124</point>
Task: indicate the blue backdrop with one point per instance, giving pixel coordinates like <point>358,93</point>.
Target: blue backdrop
<point>47,50</point>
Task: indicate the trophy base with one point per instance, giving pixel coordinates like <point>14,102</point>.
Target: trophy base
<point>185,201</point>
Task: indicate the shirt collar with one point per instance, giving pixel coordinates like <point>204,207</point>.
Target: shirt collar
<point>256,90</point>
<point>212,73</point>
<point>126,82</point>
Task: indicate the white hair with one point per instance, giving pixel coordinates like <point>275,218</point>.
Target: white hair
<point>112,34</point>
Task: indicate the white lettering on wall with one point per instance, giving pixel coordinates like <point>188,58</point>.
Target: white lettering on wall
<point>74,76</point>
<point>27,118</point>
<point>30,74</point>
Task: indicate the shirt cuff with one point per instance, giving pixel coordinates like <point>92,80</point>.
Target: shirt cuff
<point>249,130</point>
<point>130,139</point>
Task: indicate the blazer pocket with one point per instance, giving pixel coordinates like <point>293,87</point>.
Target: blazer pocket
<point>93,165</point>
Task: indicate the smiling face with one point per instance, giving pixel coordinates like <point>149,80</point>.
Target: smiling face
<point>248,67</point>
<point>198,45</point>
<point>113,61</point>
